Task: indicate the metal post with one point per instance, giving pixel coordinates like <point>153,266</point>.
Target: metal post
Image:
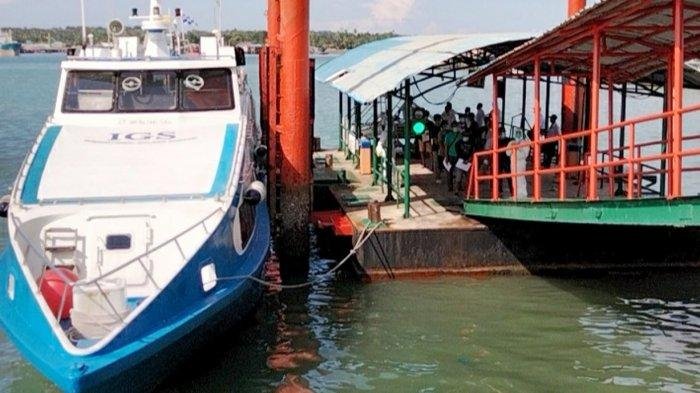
<point>522,109</point>
<point>611,119</point>
<point>389,149</point>
<point>349,125</point>
<point>375,138</point>
<point>677,102</point>
<point>547,100</point>
<point>503,109</point>
<point>621,137</point>
<point>665,123</point>
<point>594,99</point>
<point>407,151</point>
<point>494,142</point>
<point>623,117</point>
<point>537,180</point>
<point>340,121</point>
<point>358,120</point>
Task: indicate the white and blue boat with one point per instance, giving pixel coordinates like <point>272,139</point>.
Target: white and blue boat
<point>8,46</point>
<point>137,220</point>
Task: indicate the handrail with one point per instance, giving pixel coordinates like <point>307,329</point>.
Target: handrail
<point>78,285</point>
<point>635,157</point>
<point>154,249</point>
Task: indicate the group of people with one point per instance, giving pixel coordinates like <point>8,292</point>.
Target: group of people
<point>451,139</point>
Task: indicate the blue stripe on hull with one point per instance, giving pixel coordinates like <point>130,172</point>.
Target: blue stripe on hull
<point>30,190</point>
<point>226,161</point>
<point>167,326</point>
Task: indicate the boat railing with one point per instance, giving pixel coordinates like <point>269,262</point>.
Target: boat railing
<point>47,264</point>
<point>631,162</point>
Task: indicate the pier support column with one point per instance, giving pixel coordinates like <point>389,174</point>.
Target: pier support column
<point>295,133</point>
<point>677,100</point>
<point>537,160</point>
<point>389,149</point>
<point>407,150</point>
<point>595,101</point>
<point>340,121</point>
<point>375,136</point>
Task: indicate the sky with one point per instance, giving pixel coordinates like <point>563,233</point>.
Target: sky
<point>399,16</point>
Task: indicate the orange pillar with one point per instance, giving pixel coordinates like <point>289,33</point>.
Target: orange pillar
<point>537,180</point>
<point>595,97</point>
<point>677,100</point>
<point>295,134</point>
<point>494,144</point>
<point>570,91</point>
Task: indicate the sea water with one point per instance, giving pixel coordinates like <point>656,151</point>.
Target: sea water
<point>630,332</point>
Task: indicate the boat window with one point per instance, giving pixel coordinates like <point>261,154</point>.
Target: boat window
<point>89,92</point>
<point>206,90</point>
<point>147,91</point>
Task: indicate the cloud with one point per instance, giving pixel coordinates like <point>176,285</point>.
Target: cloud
<point>6,2</point>
<point>390,11</point>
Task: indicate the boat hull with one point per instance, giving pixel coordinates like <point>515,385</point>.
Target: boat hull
<point>163,335</point>
<point>10,49</point>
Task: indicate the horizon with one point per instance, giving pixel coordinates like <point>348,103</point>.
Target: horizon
<point>402,17</point>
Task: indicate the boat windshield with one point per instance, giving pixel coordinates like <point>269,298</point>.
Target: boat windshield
<point>148,91</point>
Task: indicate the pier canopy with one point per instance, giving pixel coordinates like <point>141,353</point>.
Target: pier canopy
<point>600,167</point>
<point>372,70</point>
<point>637,39</point>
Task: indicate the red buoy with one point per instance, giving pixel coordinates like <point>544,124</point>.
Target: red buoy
<point>55,290</point>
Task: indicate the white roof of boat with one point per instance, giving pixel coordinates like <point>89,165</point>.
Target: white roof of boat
<point>373,69</point>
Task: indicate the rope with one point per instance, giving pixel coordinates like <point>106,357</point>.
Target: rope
<point>365,235</point>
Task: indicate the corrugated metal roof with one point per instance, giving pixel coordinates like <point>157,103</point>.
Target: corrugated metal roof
<point>636,37</point>
<point>371,70</point>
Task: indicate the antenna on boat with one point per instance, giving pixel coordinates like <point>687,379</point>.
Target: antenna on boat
<point>219,9</point>
<point>82,18</point>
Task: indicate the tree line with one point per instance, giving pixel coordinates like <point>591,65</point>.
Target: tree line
<point>323,40</point>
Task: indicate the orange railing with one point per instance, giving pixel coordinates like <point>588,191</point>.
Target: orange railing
<point>629,164</point>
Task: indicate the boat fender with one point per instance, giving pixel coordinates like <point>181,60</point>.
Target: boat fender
<point>261,151</point>
<point>56,291</point>
<point>255,193</point>
<point>4,206</point>
<point>260,155</point>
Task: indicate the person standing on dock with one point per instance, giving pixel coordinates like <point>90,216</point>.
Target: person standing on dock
<point>451,139</point>
<point>480,116</point>
<point>449,115</point>
<point>550,149</point>
<point>518,151</point>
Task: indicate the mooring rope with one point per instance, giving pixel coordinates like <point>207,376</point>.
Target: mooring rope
<point>365,235</point>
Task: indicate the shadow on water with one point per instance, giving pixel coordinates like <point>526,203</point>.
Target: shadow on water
<point>285,339</point>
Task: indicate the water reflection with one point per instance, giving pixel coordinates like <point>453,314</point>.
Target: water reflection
<point>653,337</point>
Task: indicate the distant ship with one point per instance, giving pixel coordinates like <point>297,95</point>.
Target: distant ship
<point>8,46</point>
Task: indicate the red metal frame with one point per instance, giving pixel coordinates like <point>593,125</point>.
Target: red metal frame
<point>556,46</point>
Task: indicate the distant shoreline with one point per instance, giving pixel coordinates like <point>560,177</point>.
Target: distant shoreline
<point>331,42</point>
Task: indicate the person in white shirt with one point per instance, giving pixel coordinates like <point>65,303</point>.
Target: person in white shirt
<point>480,116</point>
<point>550,149</point>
